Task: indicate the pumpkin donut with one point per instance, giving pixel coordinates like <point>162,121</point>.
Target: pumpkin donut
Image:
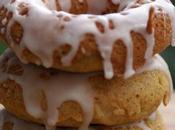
<point>64,99</point>
<point>84,36</point>
<point>154,122</point>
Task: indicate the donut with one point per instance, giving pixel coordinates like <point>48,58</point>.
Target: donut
<point>48,96</point>
<point>116,36</point>
<point>12,123</point>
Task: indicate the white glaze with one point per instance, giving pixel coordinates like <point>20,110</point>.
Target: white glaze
<point>43,43</point>
<point>23,125</point>
<point>17,124</point>
<point>153,116</point>
<point>60,87</point>
<point>143,125</point>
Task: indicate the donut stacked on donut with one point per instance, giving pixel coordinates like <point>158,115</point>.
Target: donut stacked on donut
<point>80,63</point>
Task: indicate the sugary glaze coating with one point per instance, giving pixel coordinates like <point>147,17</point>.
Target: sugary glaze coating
<point>119,42</point>
<point>9,122</point>
<point>41,95</point>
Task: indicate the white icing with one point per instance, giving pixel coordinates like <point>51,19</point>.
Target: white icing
<point>43,43</point>
<point>143,125</point>
<point>23,125</point>
<point>58,88</point>
<point>153,116</point>
<point>17,124</point>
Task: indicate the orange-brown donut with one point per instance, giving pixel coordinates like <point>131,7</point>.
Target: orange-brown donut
<point>13,123</point>
<point>119,42</point>
<point>114,102</point>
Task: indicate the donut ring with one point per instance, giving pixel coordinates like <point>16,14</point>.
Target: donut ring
<point>12,122</point>
<point>118,42</point>
<point>115,102</point>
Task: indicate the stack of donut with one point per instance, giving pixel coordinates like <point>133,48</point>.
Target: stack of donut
<point>85,64</point>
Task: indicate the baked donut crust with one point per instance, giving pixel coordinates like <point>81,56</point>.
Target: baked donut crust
<point>115,102</point>
<point>148,123</point>
<point>89,55</point>
<point>138,103</point>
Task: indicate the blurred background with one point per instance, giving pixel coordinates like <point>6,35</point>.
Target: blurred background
<point>168,55</point>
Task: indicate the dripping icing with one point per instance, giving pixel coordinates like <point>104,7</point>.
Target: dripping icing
<point>58,89</point>
<point>124,24</point>
<point>23,125</point>
<point>76,86</point>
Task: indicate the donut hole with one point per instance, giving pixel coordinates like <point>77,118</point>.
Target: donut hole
<point>84,6</point>
<point>93,7</point>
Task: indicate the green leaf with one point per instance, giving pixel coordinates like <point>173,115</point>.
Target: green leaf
<point>2,47</point>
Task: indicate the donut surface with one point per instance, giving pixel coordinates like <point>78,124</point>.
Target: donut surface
<point>31,93</point>
<point>83,36</point>
<point>151,123</point>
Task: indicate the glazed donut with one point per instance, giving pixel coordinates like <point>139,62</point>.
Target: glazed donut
<point>119,36</point>
<point>12,123</point>
<point>40,95</point>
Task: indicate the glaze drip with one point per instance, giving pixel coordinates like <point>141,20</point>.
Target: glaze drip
<point>136,20</point>
<point>59,87</point>
<point>23,125</point>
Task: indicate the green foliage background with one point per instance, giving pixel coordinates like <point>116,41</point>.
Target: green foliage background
<point>2,47</point>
